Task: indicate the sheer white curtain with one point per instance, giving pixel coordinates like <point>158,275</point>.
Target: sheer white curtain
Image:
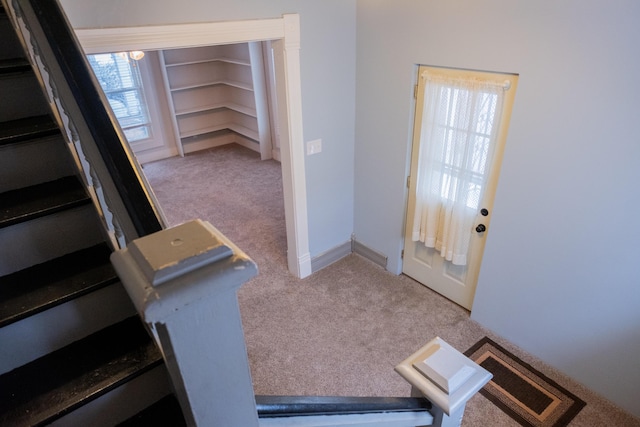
<point>459,129</point>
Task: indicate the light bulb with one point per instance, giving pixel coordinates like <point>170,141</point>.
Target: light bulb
<point>136,54</point>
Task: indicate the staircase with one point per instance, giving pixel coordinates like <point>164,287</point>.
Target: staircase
<point>72,349</point>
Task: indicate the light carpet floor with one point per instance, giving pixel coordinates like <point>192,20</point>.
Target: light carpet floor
<point>342,330</point>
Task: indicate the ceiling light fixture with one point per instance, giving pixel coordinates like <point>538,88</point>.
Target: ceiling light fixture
<point>134,54</point>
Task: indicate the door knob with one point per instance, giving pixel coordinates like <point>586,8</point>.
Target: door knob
<point>481,228</point>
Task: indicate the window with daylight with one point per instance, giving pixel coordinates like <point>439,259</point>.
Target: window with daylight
<point>119,77</point>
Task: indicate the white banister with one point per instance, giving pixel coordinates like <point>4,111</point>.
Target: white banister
<point>183,282</point>
<point>437,372</point>
<point>445,377</point>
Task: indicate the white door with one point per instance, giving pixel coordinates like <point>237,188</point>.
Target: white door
<point>460,128</point>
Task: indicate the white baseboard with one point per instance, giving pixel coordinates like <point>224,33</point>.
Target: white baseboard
<point>153,155</point>
<point>326,258</point>
<point>247,143</point>
<point>368,253</point>
<point>275,154</point>
<point>203,144</point>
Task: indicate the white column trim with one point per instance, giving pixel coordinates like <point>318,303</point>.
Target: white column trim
<point>286,52</point>
<point>286,32</point>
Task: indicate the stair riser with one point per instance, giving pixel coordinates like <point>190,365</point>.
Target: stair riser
<point>122,402</point>
<point>34,162</point>
<point>21,97</point>
<point>37,335</point>
<point>9,44</point>
<point>42,239</point>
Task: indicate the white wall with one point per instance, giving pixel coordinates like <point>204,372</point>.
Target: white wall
<point>328,87</point>
<point>561,275</point>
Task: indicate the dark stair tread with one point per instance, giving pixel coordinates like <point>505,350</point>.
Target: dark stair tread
<point>14,65</point>
<point>27,129</point>
<point>54,282</point>
<point>60,382</point>
<point>165,412</point>
<point>28,203</point>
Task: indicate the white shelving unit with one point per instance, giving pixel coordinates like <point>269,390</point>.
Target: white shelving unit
<point>217,95</point>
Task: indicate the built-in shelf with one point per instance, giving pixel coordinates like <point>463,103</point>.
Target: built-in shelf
<point>249,133</point>
<point>239,85</point>
<point>235,107</point>
<point>220,59</point>
<point>212,89</point>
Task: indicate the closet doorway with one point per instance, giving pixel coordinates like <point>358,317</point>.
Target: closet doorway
<point>220,94</point>
<point>284,34</point>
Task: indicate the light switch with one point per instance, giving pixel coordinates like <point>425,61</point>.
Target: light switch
<point>314,147</point>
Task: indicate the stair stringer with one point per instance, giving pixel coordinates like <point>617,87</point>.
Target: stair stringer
<point>88,160</point>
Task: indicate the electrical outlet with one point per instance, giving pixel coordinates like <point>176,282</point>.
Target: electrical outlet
<point>314,147</point>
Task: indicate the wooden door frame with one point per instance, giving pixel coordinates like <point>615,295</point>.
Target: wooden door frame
<point>285,34</point>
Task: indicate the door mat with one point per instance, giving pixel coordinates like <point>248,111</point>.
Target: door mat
<point>524,393</point>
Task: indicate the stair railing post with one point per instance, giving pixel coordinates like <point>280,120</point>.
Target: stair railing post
<point>183,282</point>
<point>444,376</point>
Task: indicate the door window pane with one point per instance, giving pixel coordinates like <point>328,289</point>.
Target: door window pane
<point>465,123</point>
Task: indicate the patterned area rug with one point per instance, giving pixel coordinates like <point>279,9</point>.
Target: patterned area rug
<point>522,392</point>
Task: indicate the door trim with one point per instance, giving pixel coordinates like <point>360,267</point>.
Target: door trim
<point>285,32</point>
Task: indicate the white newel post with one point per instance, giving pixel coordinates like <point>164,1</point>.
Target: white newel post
<point>183,282</point>
<point>445,377</point>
